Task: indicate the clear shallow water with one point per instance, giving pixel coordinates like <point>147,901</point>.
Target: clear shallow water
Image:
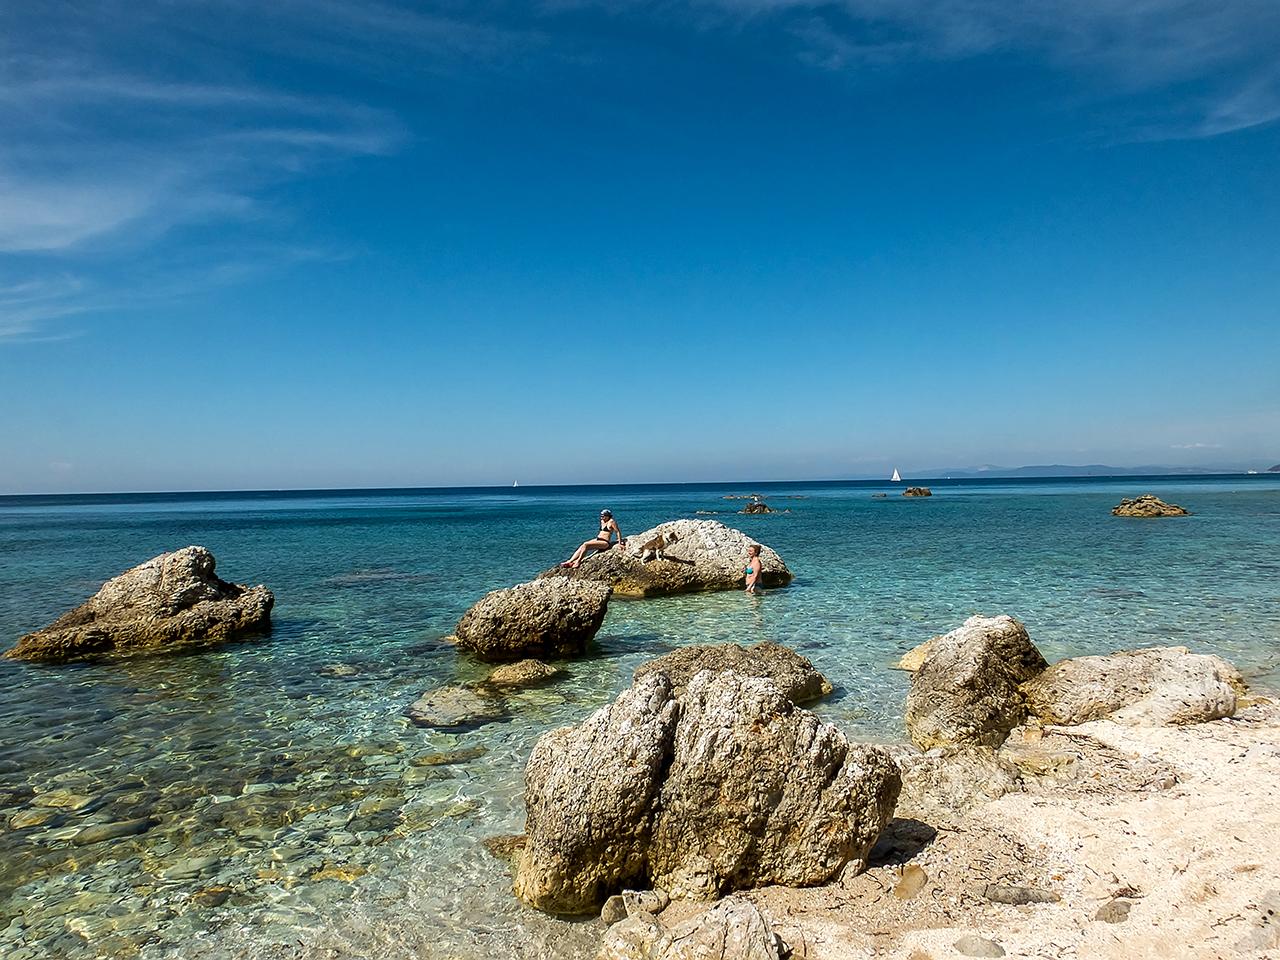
<point>299,814</point>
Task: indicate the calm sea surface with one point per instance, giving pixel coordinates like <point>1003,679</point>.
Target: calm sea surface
<point>298,814</point>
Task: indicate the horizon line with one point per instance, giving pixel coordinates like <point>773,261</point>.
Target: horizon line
<point>963,475</point>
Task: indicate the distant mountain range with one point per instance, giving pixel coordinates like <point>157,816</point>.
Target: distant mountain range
<point>1087,470</point>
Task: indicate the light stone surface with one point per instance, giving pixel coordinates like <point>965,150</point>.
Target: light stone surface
<point>173,602</point>
<point>1155,685</point>
<point>966,691</point>
<point>706,555</point>
<point>555,618</point>
<point>794,675</point>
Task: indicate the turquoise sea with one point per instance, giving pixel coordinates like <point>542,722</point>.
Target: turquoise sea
<point>298,814</point>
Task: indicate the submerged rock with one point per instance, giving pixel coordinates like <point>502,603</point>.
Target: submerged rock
<point>172,602</point>
<point>555,618</point>
<point>917,492</point>
<point>454,706</point>
<point>728,786</point>
<point>1148,505</point>
<point>794,675</point>
<point>1152,686</point>
<point>734,929</point>
<point>700,555</point>
<point>966,690</point>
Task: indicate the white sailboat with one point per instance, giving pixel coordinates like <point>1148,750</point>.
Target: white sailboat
<point>896,478</point>
<point>516,484</point>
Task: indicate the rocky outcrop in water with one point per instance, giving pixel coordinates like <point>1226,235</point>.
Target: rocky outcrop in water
<point>757,507</point>
<point>704,555</point>
<point>1148,505</point>
<point>726,787</point>
<point>552,617</point>
<point>966,691</point>
<point>1153,686</point>
<point>793,674</point>
<point>523,673</point>
<point>173,602</point>
<point>917,492</point>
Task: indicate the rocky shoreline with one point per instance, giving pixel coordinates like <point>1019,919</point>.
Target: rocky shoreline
<point>1042,808</point>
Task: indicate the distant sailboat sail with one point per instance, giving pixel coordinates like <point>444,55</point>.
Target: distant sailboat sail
<point>896,478</point>
<point>516,484</point>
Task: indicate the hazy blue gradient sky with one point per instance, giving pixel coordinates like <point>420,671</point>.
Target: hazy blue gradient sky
<point>341,243</point>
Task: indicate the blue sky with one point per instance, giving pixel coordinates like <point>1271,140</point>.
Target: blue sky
<point>351,244</point>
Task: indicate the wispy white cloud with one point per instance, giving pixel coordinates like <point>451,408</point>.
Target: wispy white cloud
<point>1218,57</point>
<point>1195,446</point>
<point>104,153</point>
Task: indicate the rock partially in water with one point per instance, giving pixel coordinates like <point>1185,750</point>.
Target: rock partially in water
<point>966,690</point>
<point>760,791</point>
<point>453,707</point>
<point>173,602</point>
<point>1152,686</point>
<point>706,555</point>
<point>550,617</point>
<point>917,492</point>
<point>734,929</point>
<point>794,675</point>
<point>729,786</point>
<point>523,673</point>
<point>1148,505</point>
<point>758,506</point>
<point>590,796</point>
<point>917,655</point>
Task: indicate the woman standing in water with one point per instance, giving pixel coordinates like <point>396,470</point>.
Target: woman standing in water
<point>752,569</point>
<point>601,541</point>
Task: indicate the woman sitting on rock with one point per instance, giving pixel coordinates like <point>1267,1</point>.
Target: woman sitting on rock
<point>600,542</point>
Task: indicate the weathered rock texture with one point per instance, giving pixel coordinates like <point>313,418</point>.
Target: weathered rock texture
<point>1153,686</point>
<point>172,602</point>
<point>706,555</point>
<point>793,674</point>
<point>941,786</point>
<point>734,929</point>
<point>727,787</point>
<point>590,796</point>
<point>523,673</point>
<point>556,618</point>
<point>1148,505</point>
<point>917,492</point>
<point>967,690</point>
<point>760,791</point>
